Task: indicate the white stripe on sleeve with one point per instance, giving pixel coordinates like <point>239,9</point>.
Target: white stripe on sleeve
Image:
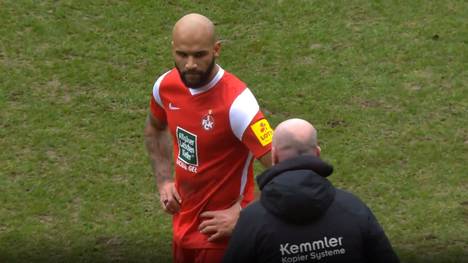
<point>243,110</point>
<point>156,96</point>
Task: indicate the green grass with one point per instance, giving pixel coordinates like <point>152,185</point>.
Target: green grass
<point>384,82</point>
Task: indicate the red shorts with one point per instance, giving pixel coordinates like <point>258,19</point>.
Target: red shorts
<point>197,255</point>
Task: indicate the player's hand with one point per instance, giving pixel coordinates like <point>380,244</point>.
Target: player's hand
<point>220,223</point>
<point>169,197</point>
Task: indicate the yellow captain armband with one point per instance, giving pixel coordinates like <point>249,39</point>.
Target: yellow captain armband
<point>262,131</point>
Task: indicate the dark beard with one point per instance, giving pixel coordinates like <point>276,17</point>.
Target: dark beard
<point>204,76</point>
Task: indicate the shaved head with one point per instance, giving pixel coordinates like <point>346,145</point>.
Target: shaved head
<point>195,49</point>
<point>292,138</point>
<point>194,28</point>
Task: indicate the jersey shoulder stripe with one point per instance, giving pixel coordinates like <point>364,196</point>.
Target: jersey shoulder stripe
<point>242,111</point>
<point>156,88</point>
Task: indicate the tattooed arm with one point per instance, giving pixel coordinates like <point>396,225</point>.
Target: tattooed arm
<point>158,144</point>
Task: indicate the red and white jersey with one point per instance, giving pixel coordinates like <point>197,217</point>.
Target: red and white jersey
<point>217,130</point>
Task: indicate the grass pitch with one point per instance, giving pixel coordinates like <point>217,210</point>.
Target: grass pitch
<point>384,82</point>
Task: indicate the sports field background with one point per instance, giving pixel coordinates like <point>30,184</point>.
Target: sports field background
<point>384,82</point>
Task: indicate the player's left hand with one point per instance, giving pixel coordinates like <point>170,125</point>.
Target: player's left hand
<point>220,223</point>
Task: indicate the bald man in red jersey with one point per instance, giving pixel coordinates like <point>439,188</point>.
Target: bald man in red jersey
<point>210,124</point>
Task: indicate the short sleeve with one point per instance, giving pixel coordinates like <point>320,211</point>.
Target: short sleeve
<point>257,137</point>
<point>249,125</point>
<point>156,105</point>
<point>157,111</point>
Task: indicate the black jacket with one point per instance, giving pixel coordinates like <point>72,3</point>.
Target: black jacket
<point>302,217</point>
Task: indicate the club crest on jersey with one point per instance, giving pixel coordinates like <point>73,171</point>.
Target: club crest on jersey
<point>208,121</point>
<point>263,131</point>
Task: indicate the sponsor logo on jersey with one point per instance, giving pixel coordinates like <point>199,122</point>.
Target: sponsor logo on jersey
<point>187,142</point>
<point>208,121</point>
<point>263,131</point>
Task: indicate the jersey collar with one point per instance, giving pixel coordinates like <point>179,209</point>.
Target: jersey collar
<point>211,84</point>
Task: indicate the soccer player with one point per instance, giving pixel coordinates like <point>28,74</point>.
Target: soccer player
<point>210,123</point>
<point>301,216</point>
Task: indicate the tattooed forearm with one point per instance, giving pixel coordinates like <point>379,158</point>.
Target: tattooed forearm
<point>158,144</point>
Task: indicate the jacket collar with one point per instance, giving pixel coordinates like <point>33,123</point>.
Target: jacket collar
<point>302,162</point>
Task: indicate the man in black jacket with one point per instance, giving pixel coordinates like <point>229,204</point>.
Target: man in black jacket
<point>301,216</point>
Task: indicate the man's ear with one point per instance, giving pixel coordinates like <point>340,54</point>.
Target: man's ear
<point>318,150</point>
<point>274,157</point>
<point>217,49</point>
<point>172,48</point>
